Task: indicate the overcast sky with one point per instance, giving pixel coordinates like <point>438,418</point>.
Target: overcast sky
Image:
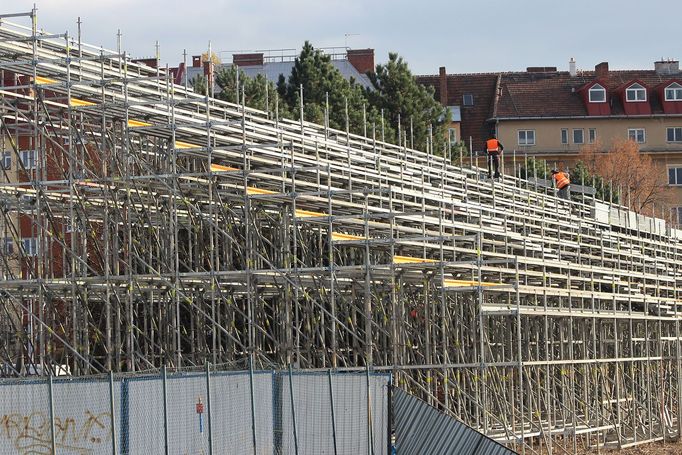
<point>463,36</point>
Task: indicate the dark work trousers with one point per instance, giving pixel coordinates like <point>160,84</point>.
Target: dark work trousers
<point>494,162</point>
<point>564,192</point>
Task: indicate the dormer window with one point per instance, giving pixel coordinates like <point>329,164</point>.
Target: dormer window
<point>635,93</point>
<point>673,92</point>
<point>597,94</point>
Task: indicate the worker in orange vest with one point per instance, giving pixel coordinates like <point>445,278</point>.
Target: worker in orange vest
<point>562,181</point>
<point>494,149</point>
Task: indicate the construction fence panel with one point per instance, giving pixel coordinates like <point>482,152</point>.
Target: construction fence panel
<point>242,413</point>
<point>262,412</point>
<point>346,410</point>
<point>24,417</point>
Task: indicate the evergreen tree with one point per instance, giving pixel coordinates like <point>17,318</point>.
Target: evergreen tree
<point>396,91</point>
<point>322,83</point>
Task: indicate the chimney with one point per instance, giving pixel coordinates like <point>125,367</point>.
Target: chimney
<point>602,69</point>
<point>443,79</point>
<point>571,68</point>
<point>247,59</point>
<point>196,61</point>
<point>667,67</point>
<point>361,59</point>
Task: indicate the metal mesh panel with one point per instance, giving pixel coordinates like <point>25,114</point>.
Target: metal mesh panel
<point>187,428</point>
<point>142,406</point>
<point>244,409</point>
<point>353,426</point>
<point>24,417</point>
<point>231,412</point>
<point>82,414</point>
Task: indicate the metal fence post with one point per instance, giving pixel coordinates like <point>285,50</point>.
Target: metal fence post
<point>293,410</point>
<point>165,409</point>
<point>113,413</point>
<point>52,426</point>
<point>331,401</point>
<point>370,435</point>
<point>208,405</point>
<point>253,405</point>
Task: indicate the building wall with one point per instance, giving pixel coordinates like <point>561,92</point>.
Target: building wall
<point>548,144</point>
<point>548,134</point>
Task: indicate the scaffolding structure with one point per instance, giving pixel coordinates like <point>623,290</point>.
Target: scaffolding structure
<point>150,225</point>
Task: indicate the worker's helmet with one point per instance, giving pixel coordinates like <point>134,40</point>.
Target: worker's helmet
<point>555,171</point>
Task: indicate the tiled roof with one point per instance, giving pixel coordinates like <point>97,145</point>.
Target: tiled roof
<point>535,94</point>
<point>556,94</point>
<point>482,88</point>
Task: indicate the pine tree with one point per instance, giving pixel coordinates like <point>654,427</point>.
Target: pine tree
<point>396,91</point>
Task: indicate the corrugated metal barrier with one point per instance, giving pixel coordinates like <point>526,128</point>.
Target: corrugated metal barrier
<point>423,429</point>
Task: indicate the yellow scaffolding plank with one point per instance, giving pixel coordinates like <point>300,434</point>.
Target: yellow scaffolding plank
<point>137,123</point>
<point>340,236</point>
<point>467,283</point>
<point>251,190</point>
<point>411,260</point>
<point>79,103</point>
<point>185,145</point>
<point>44,80</point>
<point>308,214</point>
<point>220,167</point>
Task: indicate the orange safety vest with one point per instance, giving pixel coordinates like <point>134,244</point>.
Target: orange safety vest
<point>561,180</point>
<point>492,145</point>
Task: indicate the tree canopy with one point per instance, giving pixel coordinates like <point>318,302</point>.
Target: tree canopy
<point>394,93</point>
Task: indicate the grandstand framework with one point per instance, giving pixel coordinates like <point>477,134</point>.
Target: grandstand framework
<point>150,225</point>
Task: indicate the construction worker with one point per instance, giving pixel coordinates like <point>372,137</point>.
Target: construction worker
<point>494,148</point>
<point>562,182</point>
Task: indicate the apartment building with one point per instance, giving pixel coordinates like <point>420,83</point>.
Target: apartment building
<point>552,114</point>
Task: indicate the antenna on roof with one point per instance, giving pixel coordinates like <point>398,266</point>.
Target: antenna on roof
<point>346,35</point>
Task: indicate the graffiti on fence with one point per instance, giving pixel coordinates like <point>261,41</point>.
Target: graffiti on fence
<point>74,434</point>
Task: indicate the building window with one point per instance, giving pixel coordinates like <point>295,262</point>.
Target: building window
<point>597,94</point>
<point>452,135</point>
<point>564,135</point>
<point>675,176</point>
<point>637,135</point>
<point>592,138</point>
<point>674,134</point>
<point>6,160</point>
<point>30,246</point>
<point>468,99</point>
<point>28,159</point>
<point>526,137</point>
<point>635,93</point>
<point>673,92</point>
<point>578,136</point>
<point>8,246</point>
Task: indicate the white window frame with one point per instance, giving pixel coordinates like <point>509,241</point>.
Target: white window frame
<point>30,246</point>
<point>452,135</point>
<point>634,136</point>
<point>466,96</point>
<point>594,89</point>
<point>8,245</point>
<point>29,158</point>
<point>564,135</point>
<point>525,142</point>
<point>677,169</point>
<point>676,90</point>
<point>673,128</point>
<point>592,135</point>
<point>6,161</point>
<point>635,89</point>
<point>582,135</point>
